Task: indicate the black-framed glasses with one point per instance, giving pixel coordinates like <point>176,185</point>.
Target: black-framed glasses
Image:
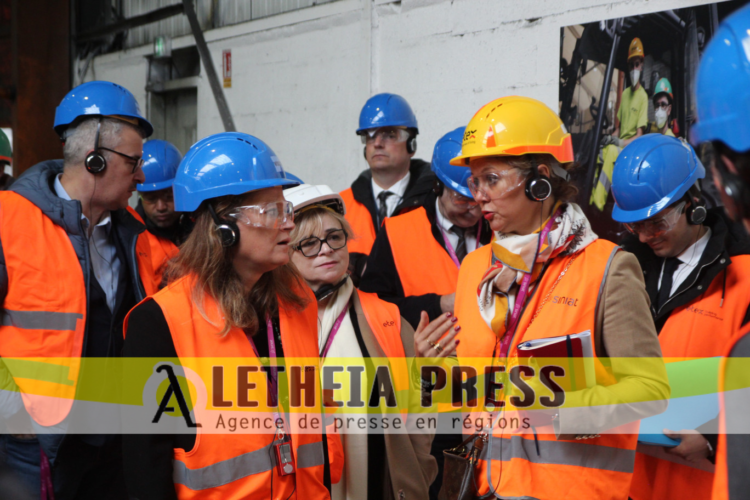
<point>661,105</point>
<point>137,160</point>
<point>310,247</point>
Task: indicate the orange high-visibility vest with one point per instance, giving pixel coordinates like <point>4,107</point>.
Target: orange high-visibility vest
<point>155,252</point>
<point>509,467</point>
<point>360,220</point>
<point>721,476</point>
<point>422,264</point>
<point>700,329</point>
<point>44,311</point>
<point>239,466</point>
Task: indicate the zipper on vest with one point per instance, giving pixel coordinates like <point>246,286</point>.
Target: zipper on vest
<point>140,291</point>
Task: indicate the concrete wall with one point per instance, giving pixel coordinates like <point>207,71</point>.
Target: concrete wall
<point>301,78</point>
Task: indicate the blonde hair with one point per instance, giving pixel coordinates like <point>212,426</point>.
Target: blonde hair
<point>562,190</point>
<point>309,221</point>
<point>202,255</point>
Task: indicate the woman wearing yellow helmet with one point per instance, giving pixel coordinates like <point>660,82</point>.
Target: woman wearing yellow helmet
<point>547,276</point>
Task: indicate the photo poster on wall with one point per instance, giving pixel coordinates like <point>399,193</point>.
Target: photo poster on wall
<point>601,105</point>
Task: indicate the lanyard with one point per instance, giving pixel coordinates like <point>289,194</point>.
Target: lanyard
<point>334,331</point>
<point>272,378</point>
<point>449,247</point>
<point>521,297</point>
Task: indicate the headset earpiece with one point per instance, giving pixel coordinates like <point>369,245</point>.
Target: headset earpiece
<point>437,188</point>
<point>229,233</point>
<point>696,213</point>
<point>364,152</point>
<point>411,144</point>
<point>95,161</point>
<point>538,187</point>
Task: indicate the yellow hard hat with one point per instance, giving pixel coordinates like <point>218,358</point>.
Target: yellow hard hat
<point>635,49</point>
<point>515,126</point>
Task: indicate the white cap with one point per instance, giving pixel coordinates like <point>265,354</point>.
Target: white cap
<point>306,194</point>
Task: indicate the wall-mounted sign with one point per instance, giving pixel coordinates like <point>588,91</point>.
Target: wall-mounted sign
<point>227,63</point>
<point>162,47</point>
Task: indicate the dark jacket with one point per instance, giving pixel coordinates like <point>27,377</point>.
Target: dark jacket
<point>420,185</point>
<point>727,239</point>
<point>381,275</point>
<point>177,233</point>
<point>37,186</point>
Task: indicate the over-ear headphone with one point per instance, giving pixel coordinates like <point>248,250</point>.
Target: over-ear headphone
<point>734,186</point>
<point>411,143</point>
<point>538,186</point>
<point>696,212</point>
<point>437,187</point>
<point>95,161</point>
<point>229,233</point>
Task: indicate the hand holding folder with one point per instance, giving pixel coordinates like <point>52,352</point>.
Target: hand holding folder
<point>574,353</point>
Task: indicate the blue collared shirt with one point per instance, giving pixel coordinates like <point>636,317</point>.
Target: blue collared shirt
<point>104,260</point>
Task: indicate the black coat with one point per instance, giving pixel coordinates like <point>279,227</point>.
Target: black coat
<point>420,186</point>
<point>727,240</point>
<point>381,275</point>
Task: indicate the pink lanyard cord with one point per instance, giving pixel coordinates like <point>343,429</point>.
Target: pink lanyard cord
<point>523,291</point>
<point>272,377</point>
<point>449,247</point>
<point>334,331</point>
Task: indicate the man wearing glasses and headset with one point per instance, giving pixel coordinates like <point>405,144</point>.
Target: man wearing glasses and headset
<point>394,183</point>
<point>69,275</point>
<point>695,264</point>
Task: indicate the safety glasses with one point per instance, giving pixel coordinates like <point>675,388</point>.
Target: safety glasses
<point>270,215</point>
<point>653,228</point>
<point>494,184</point>
<point>461,201</point>
<point>310,247</point>
<point>387,134</point>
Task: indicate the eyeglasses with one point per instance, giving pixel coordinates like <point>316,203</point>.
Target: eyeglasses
<point>653,228</point>
<point>389,135</point>
<point>137,160</point>
<point>661,105</point>
<point>310,247</point>
<point>271,215</point>
<point>462,201</point>
<point>493,184</point>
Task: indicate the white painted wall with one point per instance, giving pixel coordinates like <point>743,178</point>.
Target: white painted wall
<point>301,78</point>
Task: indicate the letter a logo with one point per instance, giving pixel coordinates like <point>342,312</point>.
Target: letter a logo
<point>174,388</point>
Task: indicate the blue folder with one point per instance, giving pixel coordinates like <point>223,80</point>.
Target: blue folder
<point>694,400</point>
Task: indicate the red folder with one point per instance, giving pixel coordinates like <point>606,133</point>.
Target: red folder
<point>574,353</point>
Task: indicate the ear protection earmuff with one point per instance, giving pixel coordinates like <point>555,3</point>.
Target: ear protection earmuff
<point>734,187</point>
<point>538,186</point>
<point>95,161</point>
<point>229,233</point>
<point>411,143</point>
<point>437,187</point>
<point>696,212</point>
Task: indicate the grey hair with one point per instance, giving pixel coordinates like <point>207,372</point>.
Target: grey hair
<point>81,137</point>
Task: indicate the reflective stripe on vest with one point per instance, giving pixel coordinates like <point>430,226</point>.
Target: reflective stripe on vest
<point>232,466</point>
<point>515,468</point>
<point>360,220</point>
<point>44,311</point>
<point>573,453</point>
<point>254,462</point>
<point>702,328</point>
<point>423,265</point>
<point>152,253</point>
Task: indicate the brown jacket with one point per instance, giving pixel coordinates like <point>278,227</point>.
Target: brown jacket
<point>411,469</point>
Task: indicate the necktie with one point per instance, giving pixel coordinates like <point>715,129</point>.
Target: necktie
<point>382,207</point>
<point>461,247</point>
<point>670,266</point>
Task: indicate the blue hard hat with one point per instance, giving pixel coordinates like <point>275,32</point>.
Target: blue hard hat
<point>386,110</point>
<point>160,162</point>
<point>229,163</point>
<point>447,148</point>
<point>651,173</point>
<point>98,98</point>
<point>722,85</point>
<point>294,178</point>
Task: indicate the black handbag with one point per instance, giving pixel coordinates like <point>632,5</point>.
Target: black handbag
<point>458,469</point>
